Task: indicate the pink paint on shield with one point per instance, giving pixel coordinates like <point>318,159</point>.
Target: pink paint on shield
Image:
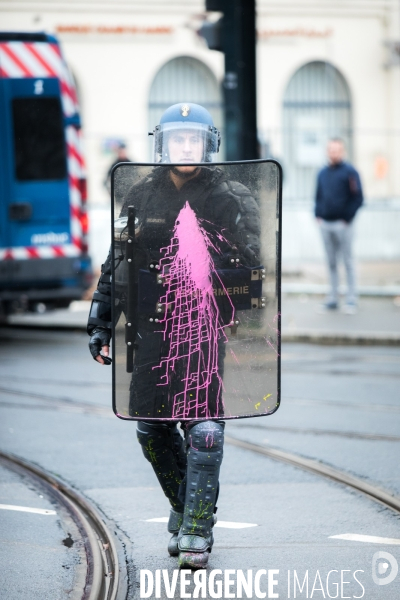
<point>191,323</point>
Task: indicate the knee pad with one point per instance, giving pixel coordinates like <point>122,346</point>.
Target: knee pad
<point>204,446</point>
<point>206,436</point>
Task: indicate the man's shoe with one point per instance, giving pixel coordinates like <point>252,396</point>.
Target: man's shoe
<point>328,306</point>
<point>194,551</point>
<point>350,308</point>
<point>174,525</point>
<point>173,545</point>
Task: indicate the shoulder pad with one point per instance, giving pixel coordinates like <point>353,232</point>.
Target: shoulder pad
<point>238,188</point>
<point>220,188</point>
<point>134,195</point>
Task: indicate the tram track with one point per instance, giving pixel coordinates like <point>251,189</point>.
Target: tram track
<point>321,469</point>
<point>68,401</point>
<point>69,405</point>
<point>353,435</point>
<point>311,465</point>
<point>102,411</point>
<point>102,579</point>
<point>314,402</point>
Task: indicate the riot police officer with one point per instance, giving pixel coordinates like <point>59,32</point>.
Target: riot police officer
<point>187,469</point>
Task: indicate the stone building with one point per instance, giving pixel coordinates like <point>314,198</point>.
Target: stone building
<point>324,69</point>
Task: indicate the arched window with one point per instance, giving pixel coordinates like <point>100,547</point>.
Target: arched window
<point>316,107</point>
<point>185,79</point>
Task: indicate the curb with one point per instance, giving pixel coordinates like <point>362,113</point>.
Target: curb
<point>78,327</point>
<point>318,289</point>
<point>344,338</point>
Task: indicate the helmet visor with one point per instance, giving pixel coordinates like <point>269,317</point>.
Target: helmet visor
<point>185,143</point>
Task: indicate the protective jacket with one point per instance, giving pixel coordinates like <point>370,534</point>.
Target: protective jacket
<point>228,213</point>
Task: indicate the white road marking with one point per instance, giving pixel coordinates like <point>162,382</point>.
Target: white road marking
<point>371,539</point>
<point>38,511</point>
<point>224,524</point>
<point>233,525</point>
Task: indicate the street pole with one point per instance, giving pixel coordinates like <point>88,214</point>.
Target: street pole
<point>238,33</point>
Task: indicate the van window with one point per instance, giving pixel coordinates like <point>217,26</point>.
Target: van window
<point>38,139</point>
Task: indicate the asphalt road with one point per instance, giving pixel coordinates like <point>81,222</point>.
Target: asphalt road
<point>339,405</point>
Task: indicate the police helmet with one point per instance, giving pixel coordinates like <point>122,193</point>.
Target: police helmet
<point>189,127</point>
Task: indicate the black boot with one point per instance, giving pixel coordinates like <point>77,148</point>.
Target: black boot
<point>174,525</point>
<point>204,445</point>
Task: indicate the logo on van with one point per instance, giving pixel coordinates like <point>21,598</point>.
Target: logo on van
<point>50,238</point>
<point>38,86</point>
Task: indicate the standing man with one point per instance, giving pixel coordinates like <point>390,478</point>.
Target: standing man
<point>187,468</point>
<point>338,197</point>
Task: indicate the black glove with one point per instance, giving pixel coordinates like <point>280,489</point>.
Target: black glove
<point>98,338</point>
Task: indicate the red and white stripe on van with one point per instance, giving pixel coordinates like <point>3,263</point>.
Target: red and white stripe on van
<point>41,60</point>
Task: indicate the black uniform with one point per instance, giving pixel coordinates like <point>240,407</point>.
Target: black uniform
<point>230,216</point>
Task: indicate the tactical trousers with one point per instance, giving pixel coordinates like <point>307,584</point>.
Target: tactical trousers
<point>173,458</point>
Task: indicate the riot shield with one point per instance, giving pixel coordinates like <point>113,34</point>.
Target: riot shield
<point>196,290</point>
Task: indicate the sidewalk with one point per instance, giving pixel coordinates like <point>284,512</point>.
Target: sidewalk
<point>374,278</point>
<point>376,322</point>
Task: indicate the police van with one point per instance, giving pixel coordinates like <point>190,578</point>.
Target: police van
<point>43,219</point>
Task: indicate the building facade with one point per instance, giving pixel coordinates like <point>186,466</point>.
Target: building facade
<point>324,69</point>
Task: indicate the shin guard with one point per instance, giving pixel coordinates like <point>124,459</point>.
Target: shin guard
<point>163,446</point>
<point>204,457</point>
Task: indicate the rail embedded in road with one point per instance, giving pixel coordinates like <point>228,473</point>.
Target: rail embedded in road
<point>323,470</point>
<point>103,581</point>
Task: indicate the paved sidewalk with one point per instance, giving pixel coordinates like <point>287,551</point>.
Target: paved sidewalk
<point>374,278</point>
<point>376,322</point>
<point>74,317</point>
